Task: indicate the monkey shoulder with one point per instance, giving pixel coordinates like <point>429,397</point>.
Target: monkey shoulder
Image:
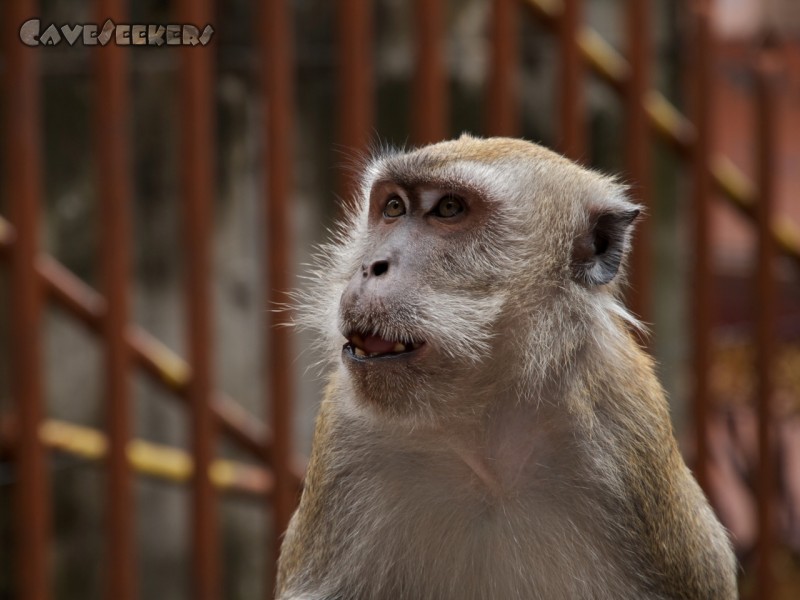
<point>671,537</point>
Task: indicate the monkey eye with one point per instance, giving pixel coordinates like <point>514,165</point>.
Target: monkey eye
<point>449,206</point>
<point>394,207</point>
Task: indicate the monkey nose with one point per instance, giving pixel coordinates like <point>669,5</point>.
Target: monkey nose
<point>376,269</point>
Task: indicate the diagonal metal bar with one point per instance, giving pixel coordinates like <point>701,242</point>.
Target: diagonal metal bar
<point>146,458</point>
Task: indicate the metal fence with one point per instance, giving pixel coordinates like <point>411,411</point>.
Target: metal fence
<point>37,278</point>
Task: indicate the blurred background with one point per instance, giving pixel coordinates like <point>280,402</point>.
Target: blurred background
<point>156,201</point>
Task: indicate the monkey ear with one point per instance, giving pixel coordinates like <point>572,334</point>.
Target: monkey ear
<point>598,251</point>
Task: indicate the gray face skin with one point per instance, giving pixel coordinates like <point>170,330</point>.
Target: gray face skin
<point>411,230</point>
<point>416,233</point>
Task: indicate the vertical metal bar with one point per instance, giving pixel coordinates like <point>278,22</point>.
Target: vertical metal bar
<point>198,187</point>
<point>278,98</point>
<point>430,90</point>
<point>571,99</point>
<point>637,152</point>
<point>355,97</point>
<point>23,189</point>
<point>767,119</point>
<point>502,117</point>
<point>702,274</point>
<point>112,141</point>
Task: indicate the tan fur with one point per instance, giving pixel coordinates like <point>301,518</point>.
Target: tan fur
<point>532,455</point>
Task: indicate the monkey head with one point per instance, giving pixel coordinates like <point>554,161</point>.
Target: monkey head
<point>462,263</point>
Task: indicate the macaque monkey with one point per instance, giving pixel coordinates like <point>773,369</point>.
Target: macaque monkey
<point>491,429</point>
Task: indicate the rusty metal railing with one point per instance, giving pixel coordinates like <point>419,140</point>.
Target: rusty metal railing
<point>355,85</point>
<point>37,277</point>
<point>766,338</point>
<point>701,295</point>
<point>502,106</point>
<point>572,134</point>
<point>23,190</point>
<point>276,473</point>
<point>111,147</point>
<point>668,123</point>
<point>430,112</point>
<point>197,169</point>
<point>277,55</point>
<point>638,152</point>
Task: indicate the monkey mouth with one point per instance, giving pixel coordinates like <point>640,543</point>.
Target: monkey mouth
<point>366,346</point>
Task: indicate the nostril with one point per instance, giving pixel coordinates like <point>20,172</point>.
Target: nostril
<point>379,267</point>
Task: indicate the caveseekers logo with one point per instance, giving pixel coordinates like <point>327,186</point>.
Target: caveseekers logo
<point>123,34</point>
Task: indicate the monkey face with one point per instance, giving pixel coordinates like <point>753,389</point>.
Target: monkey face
<point>466,263</point>
<point>403,312</point>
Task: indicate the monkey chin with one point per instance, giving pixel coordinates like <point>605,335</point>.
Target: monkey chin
<point>399,384</point>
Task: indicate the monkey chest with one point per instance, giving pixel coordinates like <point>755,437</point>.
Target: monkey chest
<point>432,531</point>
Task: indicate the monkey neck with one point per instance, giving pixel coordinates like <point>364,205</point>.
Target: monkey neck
<point>501,438</point>
<point>498,450</point>
<point>530,420</point>
<point>479,465</point>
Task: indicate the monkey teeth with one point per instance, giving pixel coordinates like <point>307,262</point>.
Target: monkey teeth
<point>372,346</point>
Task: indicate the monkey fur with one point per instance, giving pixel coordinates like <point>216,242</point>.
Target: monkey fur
<point>491,429</point>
